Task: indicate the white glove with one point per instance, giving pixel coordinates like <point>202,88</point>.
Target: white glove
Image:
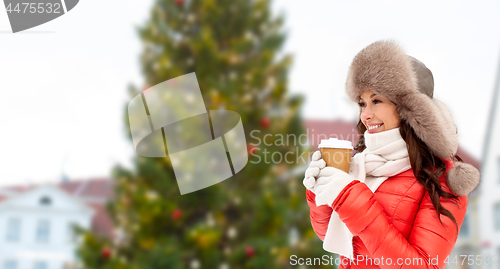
<point>313,170</point>
<point>330,182</point>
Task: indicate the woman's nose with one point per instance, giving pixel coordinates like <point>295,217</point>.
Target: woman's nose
<point>366,115</point>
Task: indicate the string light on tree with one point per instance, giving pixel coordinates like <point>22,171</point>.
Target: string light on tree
<point>152,195</point>
<point>237,200</point>
<point>234,59</point>
<point>210,219</point>
<point>249,36</point>
<point>191,18</point>
<point>247,98</point>
<point>232,232</point>
<point>194,264</point>
<point>271,82</point>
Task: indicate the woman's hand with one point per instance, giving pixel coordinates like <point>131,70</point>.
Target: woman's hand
<point>313,170</point>
<point>330,182</point>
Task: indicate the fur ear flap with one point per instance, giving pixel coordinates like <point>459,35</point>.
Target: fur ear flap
<point>462,178</point>
<point>428,122</point>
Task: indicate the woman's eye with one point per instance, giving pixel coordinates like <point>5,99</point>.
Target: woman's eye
<point>361,104</point>
<point>376,101</point>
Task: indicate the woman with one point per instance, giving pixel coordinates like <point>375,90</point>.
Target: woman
<point>405,197</point>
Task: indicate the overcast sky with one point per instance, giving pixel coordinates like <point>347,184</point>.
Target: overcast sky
<point>64,83</point>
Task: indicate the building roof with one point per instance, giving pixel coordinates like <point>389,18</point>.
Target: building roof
<point>101,221</point>
<point>94,192</point>
<point>3,197</point>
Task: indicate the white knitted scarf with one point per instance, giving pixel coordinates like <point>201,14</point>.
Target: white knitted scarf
<point>385,155</point>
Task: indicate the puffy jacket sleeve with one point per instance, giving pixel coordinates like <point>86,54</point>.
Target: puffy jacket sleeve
<point>428,239</point>
<point>320,215</point>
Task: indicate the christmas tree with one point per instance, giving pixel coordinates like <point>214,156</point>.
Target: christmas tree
<point>257,218</point>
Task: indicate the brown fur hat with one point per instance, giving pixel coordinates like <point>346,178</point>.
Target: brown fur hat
<point>387,70</point>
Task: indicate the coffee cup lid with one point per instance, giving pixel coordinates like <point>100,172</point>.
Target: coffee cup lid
<point>335,143</point>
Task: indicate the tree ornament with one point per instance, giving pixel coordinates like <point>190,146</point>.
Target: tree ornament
<point>265,122</point>
<point>106,253</point>
<point>179,2</point>
<point>249,251</point>
<point>252,149</point>
<point>176,214</point>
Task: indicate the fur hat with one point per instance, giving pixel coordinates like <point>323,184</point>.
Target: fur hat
<point>387,70</point>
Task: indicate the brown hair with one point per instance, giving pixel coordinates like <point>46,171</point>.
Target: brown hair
<point>426,167</point>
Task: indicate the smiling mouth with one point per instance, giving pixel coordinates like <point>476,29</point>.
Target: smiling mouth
<point>372,128</point>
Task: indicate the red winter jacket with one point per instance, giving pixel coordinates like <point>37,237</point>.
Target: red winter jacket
<point>396,222</point>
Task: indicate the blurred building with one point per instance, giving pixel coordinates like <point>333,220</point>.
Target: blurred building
<point>489,197</point>
<point>36,222</point>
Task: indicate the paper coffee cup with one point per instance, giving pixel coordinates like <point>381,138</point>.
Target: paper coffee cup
<point>336,153</point>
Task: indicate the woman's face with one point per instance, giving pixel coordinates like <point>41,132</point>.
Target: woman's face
<point>377,113</point>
